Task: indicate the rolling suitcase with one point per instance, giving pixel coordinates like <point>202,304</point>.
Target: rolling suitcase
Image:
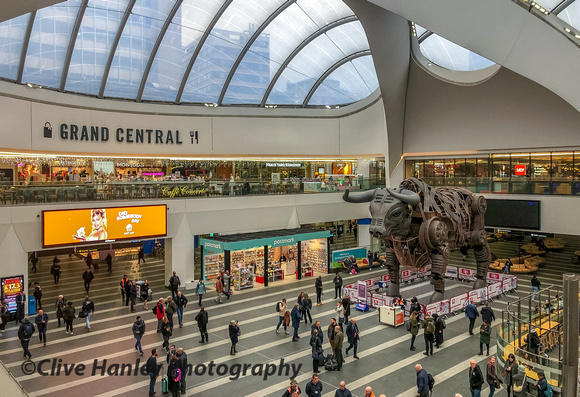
<point>164,384</point>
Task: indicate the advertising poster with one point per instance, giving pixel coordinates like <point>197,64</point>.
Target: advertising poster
<point>377,300</point>
<point>494,290</point>
<point>467,274</point>
<point>339,256</point>
<point>70,227</point>
<point>351,292</point>
<point>478,295</point>
<point>493,277</point>
<point>11,287</point>
<point>386,277</point>
<point>443,307</point>
<point>451,272</point>
<point>408,275</point>
<point>362,292</point>
<point>458,303</point>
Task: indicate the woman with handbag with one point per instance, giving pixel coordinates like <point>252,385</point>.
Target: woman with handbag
<point>492,379</point>
<point>413,328</point>
<point>166,332</point>
<point>317,352</point>
<point>234,331</point>
<point>509,371</point>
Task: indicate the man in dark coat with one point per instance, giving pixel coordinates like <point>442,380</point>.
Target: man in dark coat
<point>422,381</point>
<point>20,302</point>
<point>182,365</point>
<point>487,314</point>
<point>439,327</point>
<point>140,256</point>
<point>138,332</point>
<point>352,333</point>
<point>475,379</point>
<point>471,313</point>
<point>24,334</point>
<point>338,342</point>
<point>337,280</point>
<point>109,261</point>
<point>314,326</point>
<point>181,302</point>
<point>124,290</point>
<point>174,283</point>
<point>37,295</point>
<point>41,321</point>
<point>132,295</point>
<point>318,286</point>
<point>202,320</point>
<point>88,276</point>
<point>314,387</point>
<point>152,371</point>
<point>295,316</point>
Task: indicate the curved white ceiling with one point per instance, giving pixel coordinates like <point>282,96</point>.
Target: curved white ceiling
<point>505,33</point>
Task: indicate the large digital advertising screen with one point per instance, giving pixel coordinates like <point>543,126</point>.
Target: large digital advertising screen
<point>79,226</point>
<point>11,287</point>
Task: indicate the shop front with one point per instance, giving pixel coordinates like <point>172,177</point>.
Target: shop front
<point>265,257</point>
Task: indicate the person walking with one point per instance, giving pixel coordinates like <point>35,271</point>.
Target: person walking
<point>159,311</point>
<point>59,306</point>
<point>439,327</point>
<point>534,343</point>
<point>68,314</point>
<point>37,295</point>
<point>487,314</point>
<point>314,387</point>
<point>170,310</point>
<point>295,316</point>
<point>41,322</point>
<point>20,303</point>
<point>146,294</point>
<point>337,280</point>
<point>25,332</point>
<point>318,286</point>
<point>282,309</point>
<point>153,371</point>
<point>234,332</point>
<point>181,302</point>
<point>413,329</point>
<point>200,290</point>
<point>138,332</point>
<point>316,344</point>
<point>422,381</point>
<point>140,256</point>
<point>219,288</point>
<point>226,278</point>
<point>338,343</point>
<point>306,307</point>
<point>182,365</point>
<point>174,283</point>
<point>132,290</point>
<point>109,262</point>
<point>352,333</point>
<point>510,370</point>
<point>55,269</point>
<point>33,260</point>
<point>124,285</point>
<point>475,379</point>
<point>484,337</point>
<point>346,307</point>
<point>542,385</point>
<point>491,376</point>
<point>342,391</point>
<point>535,286</point>
<point>88,276</point>
<point>429,335</point>
<point>331,332</point>
<point>370,258</point>
<point>339,310</point>
<point>202,319</point>
<point>166,332</point>
<point>88,309</point>
<point>174,377</point>
<point>471,313</point>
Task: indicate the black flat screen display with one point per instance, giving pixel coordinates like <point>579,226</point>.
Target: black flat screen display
<point>515,214</point>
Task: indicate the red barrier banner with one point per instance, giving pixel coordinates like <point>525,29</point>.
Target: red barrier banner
<point>424,271</point>
<point>478,295</point>
<point>386,277</point>
<point>467,274</point>
<point>494,290</point>
<point>451,272</point>
<point>377,300</point>
<point>431,309</point>
<point>408,275</point>
<point>493,277</point>
<point>351,292</point>
<point>458,302</point>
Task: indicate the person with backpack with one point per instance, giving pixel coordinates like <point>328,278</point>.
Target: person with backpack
<point>37,295</point>
<point>475,379</point>
<point>174,283</point>
<point>422,381</point>
<point>337,280</point>
<point>471,313</point>
<point>281,308</point>
<point>484,337</point>
<point>88,309</point>
<point>159,311</point>
<point>429,335</point>
<point>535,286</point>
<point>202,319</point>
<point>181,302</point>
<point>138,332</point>
<point>413,328</point>
<point>174,377</point>
<point>439,327</point>
<point>318,286</point>
<point>68,314</point>
<point>170,310</point>
<point>41,322</point>
<point>25,332</point>
<point>487,314</point>
<point>59,305</point>
<point>200,290</point>
<point>165,332</point>
<point>544,389</point>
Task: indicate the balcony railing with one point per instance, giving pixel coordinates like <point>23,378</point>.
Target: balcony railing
<point>511,185</point>
<point>56,192</point>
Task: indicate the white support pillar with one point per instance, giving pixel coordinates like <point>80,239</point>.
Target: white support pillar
<point>179,254</point>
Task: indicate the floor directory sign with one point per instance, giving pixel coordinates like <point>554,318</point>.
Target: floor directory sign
<point>11,287</point>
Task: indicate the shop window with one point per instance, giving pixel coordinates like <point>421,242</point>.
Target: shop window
<point>482,168</point>
<point>460,168</point>
<point>410,168</point>
<point>520,166</point>
<point>500,165</point>
<point>562,166</point>
<point>540,166</point>
<point>429,168</point>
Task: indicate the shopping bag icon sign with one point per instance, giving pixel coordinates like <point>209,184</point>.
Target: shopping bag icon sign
<point>47,130</point>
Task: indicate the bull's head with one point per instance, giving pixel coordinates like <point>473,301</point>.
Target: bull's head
<point>390,210</point>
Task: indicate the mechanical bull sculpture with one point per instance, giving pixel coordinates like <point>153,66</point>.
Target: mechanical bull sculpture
<point>421,225</point>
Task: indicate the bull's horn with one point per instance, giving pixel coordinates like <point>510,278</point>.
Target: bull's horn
<point>406,196</point>
<point>365,197</point>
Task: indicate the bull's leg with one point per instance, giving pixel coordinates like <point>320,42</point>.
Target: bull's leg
<point>482,258</point>
<point>438,267</point>
<point>393,267</point>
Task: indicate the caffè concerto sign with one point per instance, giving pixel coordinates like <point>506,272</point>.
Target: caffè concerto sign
<point>92,133</point>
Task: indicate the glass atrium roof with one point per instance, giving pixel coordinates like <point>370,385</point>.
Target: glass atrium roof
<point>219,52</point>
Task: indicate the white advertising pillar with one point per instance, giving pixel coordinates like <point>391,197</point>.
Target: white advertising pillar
<point>179,254</point>
<point>364,237</point>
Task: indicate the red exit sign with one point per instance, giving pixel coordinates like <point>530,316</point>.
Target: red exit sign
<point>520,169</point>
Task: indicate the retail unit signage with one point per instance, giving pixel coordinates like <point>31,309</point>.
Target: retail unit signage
<point>182,191</point>
<point>280,241</point>
<point>287,165</point>
<point>11,287</point>
<point>71,227</point>
<point>520,169</point>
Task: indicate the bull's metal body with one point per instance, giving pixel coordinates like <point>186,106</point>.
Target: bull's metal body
<point>421,225</point>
